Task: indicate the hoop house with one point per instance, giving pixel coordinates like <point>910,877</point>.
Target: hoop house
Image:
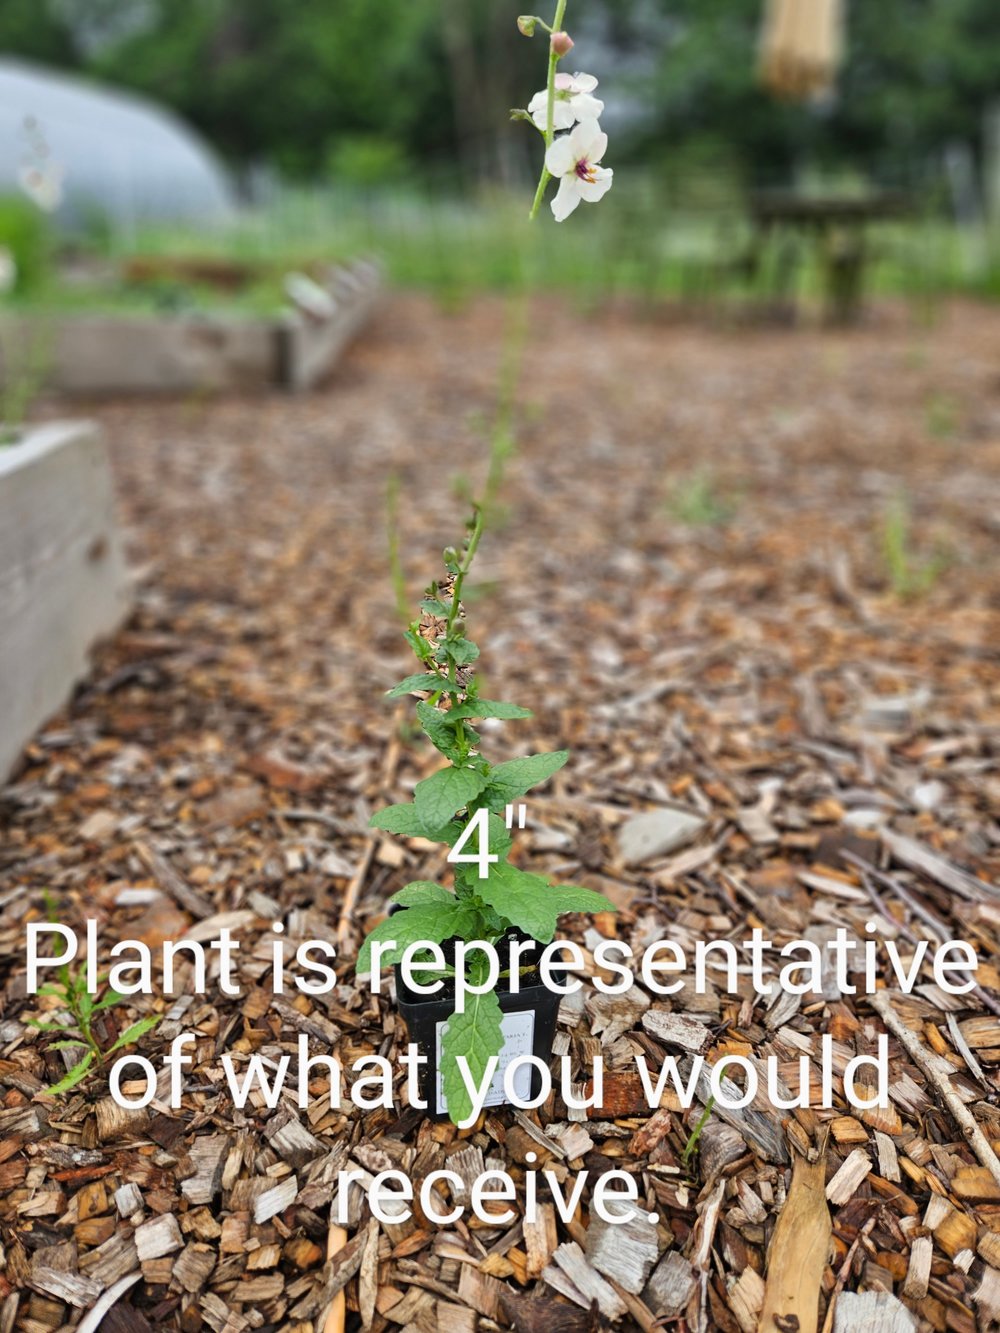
<point>117,156</point>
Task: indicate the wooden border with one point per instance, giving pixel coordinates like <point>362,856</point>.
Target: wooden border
<point>63,582</point>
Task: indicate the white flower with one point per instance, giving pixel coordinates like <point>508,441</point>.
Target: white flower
<point>43,185</point>
<point>8,271</point>
<point>574,158</point>
<point>573,102</point>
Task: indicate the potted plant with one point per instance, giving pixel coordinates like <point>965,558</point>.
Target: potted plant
<point>494,907</point>
<point>493,903</point>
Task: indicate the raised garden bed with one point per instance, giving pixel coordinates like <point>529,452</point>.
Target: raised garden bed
<point>63,583</point>
<point>201,351</point>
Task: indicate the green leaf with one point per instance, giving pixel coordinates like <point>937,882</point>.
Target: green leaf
<point>421,892</point>
<point>461,651</point>
<point>532,903</point>
<point>399,819</point>
<point>109,998</point>
<point>490,708</point>
<point>517,776</point>
<point>423,680</point>
<point>40,1025</point>
<point>572,898</point>
<point>522,899</point>
<point>445,792</point>
<point>52,988</point>
<point>430,924</point>
<point>477,1035</point>
<point>133,1033</point>
<point>419,645</point>
<point>66,1045</point>
<point>404,820</point>
<point>76,1075</point>
<point>435,607</point>
<point>499,844</point>
<point>438,727</point>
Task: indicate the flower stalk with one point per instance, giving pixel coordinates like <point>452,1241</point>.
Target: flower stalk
<point>549,131</point>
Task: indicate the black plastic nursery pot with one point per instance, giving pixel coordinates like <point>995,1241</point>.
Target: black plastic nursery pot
<point>529,1024</point>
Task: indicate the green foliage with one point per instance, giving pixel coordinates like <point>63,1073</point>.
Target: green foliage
<point>72,993</point>
<point>370,84</point>
<point>423,80</point>
<point>424,923</point>
<point>459,804</point>
<point>697,501</point>
<point>531,903</point>
<point>909,575</point>
<point>942,413</point>
<point>446,792</point>
<point>423,680</point>
<point>518,776</point>
<point>23,365</point>
<point>38,30</point>
<point>26,233</point>
<point>405,819</point>
<point>694,1138</point>
<point>691,1146</point>
<point>367,160</point>
<point>491,708</point>
<point>476,1036</point>
<point>420,892</point>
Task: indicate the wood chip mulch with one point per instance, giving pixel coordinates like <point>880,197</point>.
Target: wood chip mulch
<point>825,750</point>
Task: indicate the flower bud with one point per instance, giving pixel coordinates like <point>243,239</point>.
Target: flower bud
<point>451,556</point>
<point>561,43</point>
<point>526,25</point>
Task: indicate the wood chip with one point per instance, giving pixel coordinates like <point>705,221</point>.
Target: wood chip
<point>918,1272</point>
<point>845,1182</point>
<point>275,1200</point>
<point>872,1312</point>
<point>157,1237</point>
<point>624,1251</point>
<point>585,1284</point>
<point>798,1253</point>
<point>671,1286</point>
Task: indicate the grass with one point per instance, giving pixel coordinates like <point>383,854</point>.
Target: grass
<point>909,575</point>
<point>76,1013</point>
<point>691,1146</point>
<point>698,501</point>
<point>942,416</point>
<point>694,1138</point>
<point>23,365</point>
<point>650,240</point>
<point>96,295</point>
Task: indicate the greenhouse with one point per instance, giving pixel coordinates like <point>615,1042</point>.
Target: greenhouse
<point>83,150</point>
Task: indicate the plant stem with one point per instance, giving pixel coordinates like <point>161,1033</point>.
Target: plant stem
<point>502,436</point>
<point>479,523</point>
<point>550,113</point>
<point>470,551</point>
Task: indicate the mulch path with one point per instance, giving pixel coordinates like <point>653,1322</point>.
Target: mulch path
<point>690,588</point>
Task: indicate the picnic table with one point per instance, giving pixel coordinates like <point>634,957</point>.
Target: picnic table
<point>835,227</point>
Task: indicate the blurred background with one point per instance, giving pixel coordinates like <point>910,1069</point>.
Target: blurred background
<point>286,131</point>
